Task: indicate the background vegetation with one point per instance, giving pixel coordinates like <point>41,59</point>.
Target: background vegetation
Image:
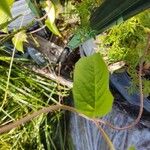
<point>29,92</point>
<point>126,42</point>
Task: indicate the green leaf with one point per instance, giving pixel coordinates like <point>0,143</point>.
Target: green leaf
<point>91,86</point>
<point>4,15</point>
<point>18,40</point>
<point>5,7</point>
<point>52,27</point>
<point>5,24</point>
<point>50,21</point>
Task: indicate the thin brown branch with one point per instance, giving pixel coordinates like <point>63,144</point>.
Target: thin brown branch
<point>37,30</point>
<point>29,117</point>
<point>52,108</point>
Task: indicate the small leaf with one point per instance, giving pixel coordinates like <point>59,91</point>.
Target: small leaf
<point>52,27</point>
<point>50,21</point>
<point>18,40</point>
<point>91,87</point>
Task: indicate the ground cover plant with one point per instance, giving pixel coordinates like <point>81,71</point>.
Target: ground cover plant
<point>125,42</point>
<point>26,94</point>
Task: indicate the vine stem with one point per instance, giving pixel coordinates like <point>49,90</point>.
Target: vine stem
<point>29,117</point>
<point>37,30</point>
<point>52,108</point>
<point>105,136</point>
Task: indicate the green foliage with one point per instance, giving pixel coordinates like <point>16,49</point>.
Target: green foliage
<point>84,32</point>
<point>84,10</point>
<point>91,86</point>
<point>5,14</point>
<point>127,42</point>
<point>18,40</point>
<point>50,21</point>
<point>29,92</point>
<point>5,6</point>
<point>52,27</point>
<point>5,24</point>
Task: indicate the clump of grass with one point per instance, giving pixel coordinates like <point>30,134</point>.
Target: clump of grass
<point>126,42</point>
<point>28,92</point>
